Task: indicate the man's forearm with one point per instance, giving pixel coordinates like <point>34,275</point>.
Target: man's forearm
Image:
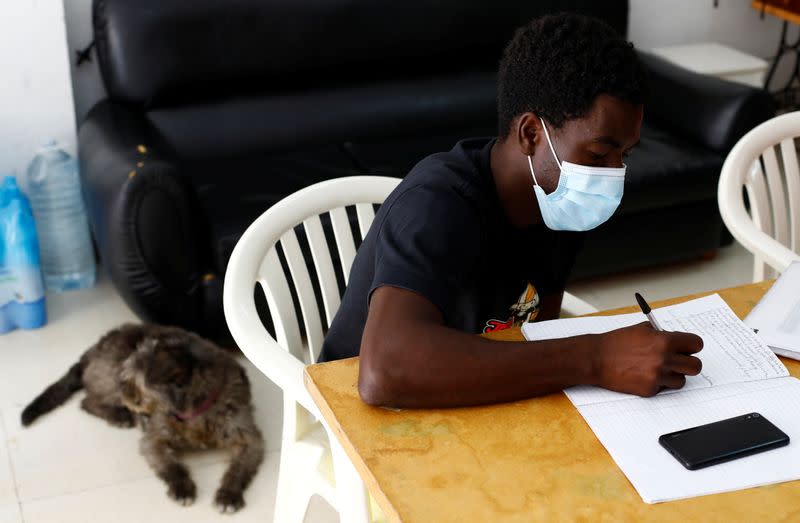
<point>437,366</point>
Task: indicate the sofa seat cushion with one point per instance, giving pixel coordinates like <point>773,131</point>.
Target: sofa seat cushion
<point>233,192</point>
<point>665,170</point>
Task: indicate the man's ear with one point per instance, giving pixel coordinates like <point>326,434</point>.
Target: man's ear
<point>529,132</point>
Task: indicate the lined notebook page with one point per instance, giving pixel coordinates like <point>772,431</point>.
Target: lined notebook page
<point>629,430</point>
<point>732,353</point>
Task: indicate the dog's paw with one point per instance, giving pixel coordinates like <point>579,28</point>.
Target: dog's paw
<point>182,490</point>
<point>228,501</point>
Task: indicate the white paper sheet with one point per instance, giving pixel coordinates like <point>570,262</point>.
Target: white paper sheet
<point>777,315</point>
<point>629,430</point>
<point>732,353</point>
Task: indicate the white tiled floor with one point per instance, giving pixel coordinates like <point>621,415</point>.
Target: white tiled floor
<point>10,513</point>
<point>72,467</point>
<point>732,266</point>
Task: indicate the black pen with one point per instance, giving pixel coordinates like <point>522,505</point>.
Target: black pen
<point>647,311</point>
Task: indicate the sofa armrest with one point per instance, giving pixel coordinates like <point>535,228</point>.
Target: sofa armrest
<point>709,111</point>
<point>144,220</point>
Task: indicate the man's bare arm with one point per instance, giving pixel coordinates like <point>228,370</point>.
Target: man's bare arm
<point>409,358</point>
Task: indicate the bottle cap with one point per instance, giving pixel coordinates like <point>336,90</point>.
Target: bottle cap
<point>9,182</point>
<point>48,145</point>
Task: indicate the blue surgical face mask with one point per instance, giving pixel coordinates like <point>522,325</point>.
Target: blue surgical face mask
<point>585,197</point>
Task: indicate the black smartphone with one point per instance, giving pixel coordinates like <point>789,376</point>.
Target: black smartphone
<point>721,441</point>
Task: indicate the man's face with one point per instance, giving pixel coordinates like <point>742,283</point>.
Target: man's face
<point>601,138</point>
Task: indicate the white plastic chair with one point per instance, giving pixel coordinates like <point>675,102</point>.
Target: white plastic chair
<point>765,163</point>
<point>312,461</point>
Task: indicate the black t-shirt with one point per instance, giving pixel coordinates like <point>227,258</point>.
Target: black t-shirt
<point>443,234</point>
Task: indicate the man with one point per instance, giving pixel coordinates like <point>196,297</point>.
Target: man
<point>484,236</point>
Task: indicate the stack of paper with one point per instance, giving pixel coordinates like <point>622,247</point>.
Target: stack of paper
<point>777,315</point>
<point>740,375</point>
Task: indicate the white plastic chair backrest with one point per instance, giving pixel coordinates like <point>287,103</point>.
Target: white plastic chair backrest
<point>255,260</point>
<point>765,163</point>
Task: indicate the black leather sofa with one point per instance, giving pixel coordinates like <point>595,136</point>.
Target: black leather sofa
<point>217,110</point>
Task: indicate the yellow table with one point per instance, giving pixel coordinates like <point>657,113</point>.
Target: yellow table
<point>532,460</point>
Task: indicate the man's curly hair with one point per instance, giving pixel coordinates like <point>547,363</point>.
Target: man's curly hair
<point>556,65</point>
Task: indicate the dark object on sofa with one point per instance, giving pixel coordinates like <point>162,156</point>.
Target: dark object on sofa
<point>240,103</point>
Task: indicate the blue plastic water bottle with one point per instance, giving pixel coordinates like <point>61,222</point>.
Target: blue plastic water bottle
<point>54,189</point>
<point>22,302</point>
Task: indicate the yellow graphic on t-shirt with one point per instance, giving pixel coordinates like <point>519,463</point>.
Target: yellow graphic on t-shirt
<point>527,306</point>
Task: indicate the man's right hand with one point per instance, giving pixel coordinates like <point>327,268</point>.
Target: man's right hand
<point>641,360</point>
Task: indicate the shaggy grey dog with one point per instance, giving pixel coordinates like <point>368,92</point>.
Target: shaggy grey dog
<point>185,393</point>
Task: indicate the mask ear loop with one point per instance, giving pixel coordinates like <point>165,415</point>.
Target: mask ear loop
<point>530,164</point>
<point>550,143</point>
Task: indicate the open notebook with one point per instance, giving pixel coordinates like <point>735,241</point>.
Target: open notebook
<point>740,375</point>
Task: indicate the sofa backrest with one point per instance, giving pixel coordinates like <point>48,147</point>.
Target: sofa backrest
<point>157,52</point>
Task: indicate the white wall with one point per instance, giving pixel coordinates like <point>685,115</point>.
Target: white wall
<point>657,23</point>
<point>86,81</point>
<point>36,101</point>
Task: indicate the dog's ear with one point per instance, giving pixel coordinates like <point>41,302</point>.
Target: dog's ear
<point>170,366</point>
